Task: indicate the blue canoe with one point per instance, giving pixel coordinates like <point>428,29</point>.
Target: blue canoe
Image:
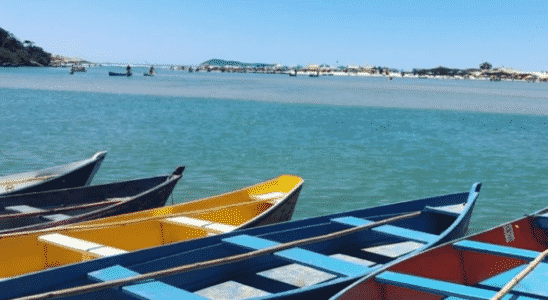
<point>75,174</point>
<point>270,262</point>
<point>486,265</point>
<point>35,211</point>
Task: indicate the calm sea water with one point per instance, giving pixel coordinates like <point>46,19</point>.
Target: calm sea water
<point>357,142</point>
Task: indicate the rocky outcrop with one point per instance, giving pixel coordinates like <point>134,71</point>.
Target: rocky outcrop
<point>14,53</point>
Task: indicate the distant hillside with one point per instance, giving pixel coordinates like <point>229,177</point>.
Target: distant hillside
<point>14,53</point>
<point>222,62</point>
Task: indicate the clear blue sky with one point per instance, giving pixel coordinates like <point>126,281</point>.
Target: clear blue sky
<point>400,34</point>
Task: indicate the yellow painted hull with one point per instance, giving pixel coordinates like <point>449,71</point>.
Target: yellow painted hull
<point>265,203</point>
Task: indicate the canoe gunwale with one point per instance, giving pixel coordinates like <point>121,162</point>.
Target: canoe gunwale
<point>105,211</point>
<point>55,173</point>
<point>290,199</point>
<point>531,217</point>
<point>343,282</point>
<point>166,251</point>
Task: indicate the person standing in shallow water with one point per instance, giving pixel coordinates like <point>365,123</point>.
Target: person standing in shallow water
<point>128,69</point>
<point>151,70</point>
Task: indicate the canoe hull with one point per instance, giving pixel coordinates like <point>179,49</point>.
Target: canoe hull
<point>148,260</point>
<point>138,195</point>
<point>281,212</point>
<point>80,175</point>
<point>478,264</point>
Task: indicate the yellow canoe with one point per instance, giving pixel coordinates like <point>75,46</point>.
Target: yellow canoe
<point>265,203</point>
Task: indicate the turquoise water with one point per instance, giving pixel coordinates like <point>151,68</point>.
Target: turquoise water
<point>357,142</point>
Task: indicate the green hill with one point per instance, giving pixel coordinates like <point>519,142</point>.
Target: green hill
<point>14,53</point>
<point>222,62</point>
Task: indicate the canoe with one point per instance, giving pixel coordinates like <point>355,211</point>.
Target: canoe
<point>118,74</point>
<point>308,259</point>
<point>147,74</point>
<point>474,267</point>
<point>36,211</point>
<point>265,203</point>
<point>75,174</point>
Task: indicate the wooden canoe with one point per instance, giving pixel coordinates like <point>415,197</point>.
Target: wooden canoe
<point>474,267</point>
<point>36,211</point>
<point>269,202</point>
<point>306,259</point>
<point>75,174</point>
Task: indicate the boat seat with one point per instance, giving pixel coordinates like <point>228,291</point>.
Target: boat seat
<point>79,245</point>
<point>24,209</point>
<point>301,256</point>
<point>496,249</point>
<point>268,196</point>
<point>182,220</point>
<point>56,217</point>
<point>439,287</point>
<point>534,283</point>
<point>450,210</point>
<point>114,199</point>
<point>400,232</point>
<point>150,289</point>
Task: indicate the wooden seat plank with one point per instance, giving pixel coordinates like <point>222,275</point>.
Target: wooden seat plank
<point>148,290</point>
<point>24,209</point>
<point>436,286</point>
<point>451,210</point>
<point>56,217</point>
<point>301,256</point>
<point>401,232</point>
<point>496,249</point>
<point>78,244</point>
<point>534,283</point>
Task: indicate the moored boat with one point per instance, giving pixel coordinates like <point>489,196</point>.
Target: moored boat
<point>265,203</point>
<point>25,212</point>
<point>505,262</point>
<point>306,259</point>
<point>119,74</point>
<point>77,68</point>
<point>75,174</point>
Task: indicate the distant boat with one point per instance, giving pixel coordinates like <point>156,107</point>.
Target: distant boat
<point>495,79</point>
<point>119,74</point>
<point>75,174</point>
<point>77,69</point>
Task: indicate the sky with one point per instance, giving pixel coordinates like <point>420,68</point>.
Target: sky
<point>398,34</point>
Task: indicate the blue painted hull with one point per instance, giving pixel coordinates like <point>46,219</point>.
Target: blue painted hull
<point>476,266</point>
<point>431,226</point>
